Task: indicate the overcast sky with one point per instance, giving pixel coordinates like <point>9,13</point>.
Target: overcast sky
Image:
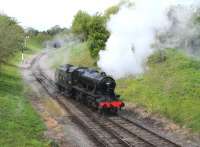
<point>43,14</point>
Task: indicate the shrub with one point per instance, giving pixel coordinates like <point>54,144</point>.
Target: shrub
<point>11,37</point>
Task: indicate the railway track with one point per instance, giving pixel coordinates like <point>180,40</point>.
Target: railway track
<point>129,131</point>
<point>141,132</point>
<point>109,131</point>
<point>122,134</point>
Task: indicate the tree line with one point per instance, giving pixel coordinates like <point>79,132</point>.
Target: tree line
<point>41,36</point>
<point>12,36</point>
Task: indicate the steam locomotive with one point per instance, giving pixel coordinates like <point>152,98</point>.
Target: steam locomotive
<point>89,86</point>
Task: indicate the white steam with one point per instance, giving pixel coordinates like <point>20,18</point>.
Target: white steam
<point>133,31</point>
<point>184,33</point>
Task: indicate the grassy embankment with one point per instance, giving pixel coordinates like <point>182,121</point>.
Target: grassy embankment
<point>76,54</point>
<point>34,44</point>
<point>170,88</point>
<point>20,125</point>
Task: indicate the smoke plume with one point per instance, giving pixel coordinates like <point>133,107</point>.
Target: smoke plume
<point>134,31</point>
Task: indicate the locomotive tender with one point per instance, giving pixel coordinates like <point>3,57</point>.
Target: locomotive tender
<point>88,86</point>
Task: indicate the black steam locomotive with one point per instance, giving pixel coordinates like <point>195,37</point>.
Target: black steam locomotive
<point>88,86</point>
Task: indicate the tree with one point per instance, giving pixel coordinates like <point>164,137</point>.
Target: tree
<point>111,11</point>
<point>11,37</point>
<point>55,30</point>
<point>98,35</point>
<point>80,25</point>
<point>92,29</point>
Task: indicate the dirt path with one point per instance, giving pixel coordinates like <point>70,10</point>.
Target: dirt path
<point>60,127</point>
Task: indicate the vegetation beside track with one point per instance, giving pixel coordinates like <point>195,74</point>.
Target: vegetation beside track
<point>34,44</point>
<point>76,54</point>
<point>20,125</point>
<point>170,87</point>
<point>11,38</point>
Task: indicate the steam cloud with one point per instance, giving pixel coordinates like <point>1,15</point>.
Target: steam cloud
<point>134,29</point>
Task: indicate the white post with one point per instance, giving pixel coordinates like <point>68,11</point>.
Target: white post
<point>22,56</point>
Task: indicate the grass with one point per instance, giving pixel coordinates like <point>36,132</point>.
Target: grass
<point>170,87</point>
<point>20,125</point>
<point>34,45</point>
<point>80,55</point>
<point>76,54</point>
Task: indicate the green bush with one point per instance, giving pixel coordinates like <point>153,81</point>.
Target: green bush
<point>80,25</point>
<point>98,35</point>
<point>111,11</point>
<point>11,38</point>
<point>91,29</point>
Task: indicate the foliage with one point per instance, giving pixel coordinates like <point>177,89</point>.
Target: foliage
<point>98,35</point>
<point>11,38</point>
<point>93,30</point>
<point>170,87</point>
<point>196,16</point>
<point>37,38</point>
<point>80,25</point>
<point>41,37</point>
<point>56,30</point>
<point>50,32</point>
<point>36,41</point>
<point>20,125</point>
<point>32,32</point>
<point>111,11</point>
